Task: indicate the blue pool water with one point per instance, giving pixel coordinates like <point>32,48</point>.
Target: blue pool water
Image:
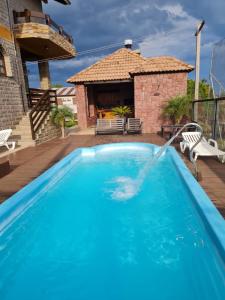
<point>71,234</point>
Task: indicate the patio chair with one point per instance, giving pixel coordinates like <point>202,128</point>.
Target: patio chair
<point>134,125</point>
<point>203,148</point>
<point>107,126</point>
<point>4,135</point>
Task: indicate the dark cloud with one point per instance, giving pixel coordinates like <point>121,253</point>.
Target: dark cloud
<point>165,27</point>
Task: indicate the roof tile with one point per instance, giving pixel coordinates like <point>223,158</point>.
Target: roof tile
<point>124,63</point>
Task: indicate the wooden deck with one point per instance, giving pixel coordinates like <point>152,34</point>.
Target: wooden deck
<point>27,164</point>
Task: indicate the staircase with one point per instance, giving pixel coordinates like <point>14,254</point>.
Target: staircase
<point>36,127</point>
<point>22,133</point>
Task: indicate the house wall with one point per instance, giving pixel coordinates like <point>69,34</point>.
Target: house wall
<point>11,93</point>
<point>20,5</point>
<point>152,92</point>
<point>13,100</point>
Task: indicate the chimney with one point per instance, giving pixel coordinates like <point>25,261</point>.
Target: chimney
<point>128,44</point>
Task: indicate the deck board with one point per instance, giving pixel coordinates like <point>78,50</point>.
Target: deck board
<point>29,163</point>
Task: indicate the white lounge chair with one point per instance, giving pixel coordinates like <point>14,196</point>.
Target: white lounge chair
<point>4,135</point>
<point>203,148</point>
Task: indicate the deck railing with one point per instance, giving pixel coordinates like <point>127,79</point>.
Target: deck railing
<point>41,109</point>
<point>28,16</point>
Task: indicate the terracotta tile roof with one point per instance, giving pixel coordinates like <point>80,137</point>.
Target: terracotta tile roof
<point>121,64</point>
<point>163,64</point>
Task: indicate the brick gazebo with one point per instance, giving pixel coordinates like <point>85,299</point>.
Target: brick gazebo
<point>127,78</point>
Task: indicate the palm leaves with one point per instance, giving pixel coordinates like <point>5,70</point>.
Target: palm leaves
<point>121,111</point>
<point>60,115</point>
<point>177,108</point>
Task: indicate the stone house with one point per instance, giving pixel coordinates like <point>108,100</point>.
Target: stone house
<point>28,35</point>
<point>125,77</point>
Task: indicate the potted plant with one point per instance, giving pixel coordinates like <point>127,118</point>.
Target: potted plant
<point>61,115</point>
<point>177,109</point>
<point>121,111</point>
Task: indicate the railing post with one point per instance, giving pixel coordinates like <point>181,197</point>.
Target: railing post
<point>27,15</point>
<point>60,30</point>
<point>195,110</point>
<point>14,17</point>
<point>48,20</point>
<point>32,126</point>
<point>70,39</point>
<point>215,118</point>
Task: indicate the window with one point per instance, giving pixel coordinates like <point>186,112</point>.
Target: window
<point>5,63</point>
<point>2,64</point>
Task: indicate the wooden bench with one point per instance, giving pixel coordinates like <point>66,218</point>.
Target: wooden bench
<point>134,125</point>
<point>105,126</point>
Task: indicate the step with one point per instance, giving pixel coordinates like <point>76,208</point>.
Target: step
<point>21,132</point>
<point>31,144</point>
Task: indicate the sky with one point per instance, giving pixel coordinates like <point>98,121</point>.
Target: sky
<point>157,27</point>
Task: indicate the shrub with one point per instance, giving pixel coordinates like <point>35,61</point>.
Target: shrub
<point>177,108</point>
<point>121,111</point>
<point>61,115</point>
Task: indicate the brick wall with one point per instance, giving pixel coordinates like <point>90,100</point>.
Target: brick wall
<point>152,92</point>
<point>81,106</point>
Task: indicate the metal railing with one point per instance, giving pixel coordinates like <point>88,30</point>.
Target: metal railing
<point>211,116</point>
<point>28,16</point>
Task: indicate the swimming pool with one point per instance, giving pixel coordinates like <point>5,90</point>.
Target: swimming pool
<point>76,232</point>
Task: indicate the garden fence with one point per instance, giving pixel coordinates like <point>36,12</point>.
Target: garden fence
<point>211,116</point>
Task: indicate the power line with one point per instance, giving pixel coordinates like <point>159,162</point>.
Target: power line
<point>84,52</point>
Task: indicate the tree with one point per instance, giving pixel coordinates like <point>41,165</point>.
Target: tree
<point>60,115</point>
<point>56,86</point>
<point>177,108</point>
<point>205,90</point>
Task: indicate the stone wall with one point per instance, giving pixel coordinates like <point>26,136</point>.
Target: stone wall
<point>152,92</point>
<point>11,86</point>
<point>47,132</point>
<point>35,30</point>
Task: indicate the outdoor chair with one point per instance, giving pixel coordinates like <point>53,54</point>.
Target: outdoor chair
<point>4,136</point>
<point>134,125</point>
<point>107,126</point>
<point>203,148</point>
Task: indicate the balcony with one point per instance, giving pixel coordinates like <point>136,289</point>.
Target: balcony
<point>40,37</point>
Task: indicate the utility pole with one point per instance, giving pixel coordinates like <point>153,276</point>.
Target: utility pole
<point>197,66</point>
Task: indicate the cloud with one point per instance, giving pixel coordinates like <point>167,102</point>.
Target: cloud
<point>178,39</point>
<point>80,62</point>
<point>166,27</point>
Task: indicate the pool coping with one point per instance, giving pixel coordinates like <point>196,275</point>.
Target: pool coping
<point>19,202</point>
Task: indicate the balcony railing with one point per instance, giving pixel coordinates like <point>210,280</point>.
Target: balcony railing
<point>28,16</point>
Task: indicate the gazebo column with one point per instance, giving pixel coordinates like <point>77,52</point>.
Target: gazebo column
<point>82,102</point>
